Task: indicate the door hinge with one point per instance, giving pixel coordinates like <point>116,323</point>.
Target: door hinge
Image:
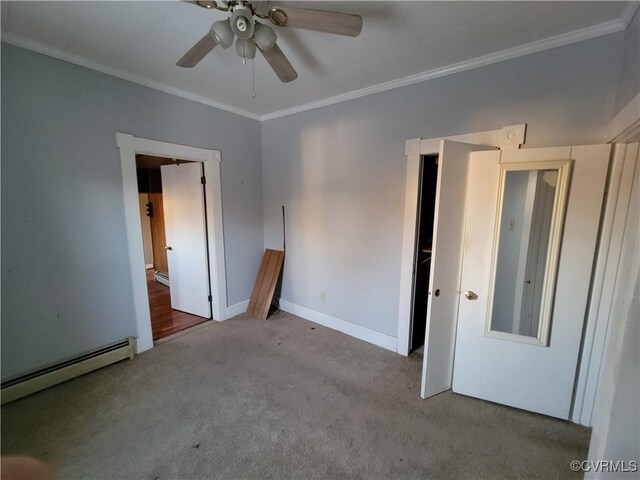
<point>210,298</point>
<point>203,180</point>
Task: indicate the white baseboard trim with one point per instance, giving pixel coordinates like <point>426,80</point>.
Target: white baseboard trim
<point>351,329</point>
<point>237,309</point>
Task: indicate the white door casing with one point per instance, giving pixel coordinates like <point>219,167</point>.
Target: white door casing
<point>525,375</point>
<point>129,146</point>
<point>614,224</point>
<point>185,228</point>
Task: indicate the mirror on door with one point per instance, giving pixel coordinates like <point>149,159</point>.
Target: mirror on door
<point>526,249</point>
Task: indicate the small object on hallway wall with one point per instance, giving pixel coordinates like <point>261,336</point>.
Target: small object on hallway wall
<point>265,285</point>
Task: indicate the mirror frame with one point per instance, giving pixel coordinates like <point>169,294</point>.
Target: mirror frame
<point>553,252</point>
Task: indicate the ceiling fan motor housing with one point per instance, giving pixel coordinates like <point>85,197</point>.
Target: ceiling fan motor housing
<point>242,22</point>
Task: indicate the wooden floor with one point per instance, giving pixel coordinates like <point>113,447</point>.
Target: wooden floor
<point>164,320</point>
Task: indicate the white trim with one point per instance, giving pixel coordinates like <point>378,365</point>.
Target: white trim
<point>351,329</point>
<point>561,40</point>
<point>22,42</point>
<point>553,250</point>
<point>215,228</point>
<point>407,260</point>
<point>129,146</point>
<point>172,150</point>
<point>628,13</point>
<point>510,136</point>
<point>623,128</point>
<point>135,248</point>
<point>149,266</point>
<point>606,268</point>
<point>237,309</point>
<point>626,123</point>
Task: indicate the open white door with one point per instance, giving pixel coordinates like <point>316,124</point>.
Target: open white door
<point>529,246</point>
<point>446,260</point>
<point>185,227</point>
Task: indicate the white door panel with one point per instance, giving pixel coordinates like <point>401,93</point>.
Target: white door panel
<point>185,226</point>
<point>446,260</point>
<point>522,374</point>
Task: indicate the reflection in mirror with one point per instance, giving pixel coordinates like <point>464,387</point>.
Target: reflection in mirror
<point>524,238</point>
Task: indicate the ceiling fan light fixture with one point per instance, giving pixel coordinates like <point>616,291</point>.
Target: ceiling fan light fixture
<point>246,48</point>
<point>222,32</point>
<point>264,36</point>
<point>242,22</point>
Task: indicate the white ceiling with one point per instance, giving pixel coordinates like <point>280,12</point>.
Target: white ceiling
<point>142,41</point>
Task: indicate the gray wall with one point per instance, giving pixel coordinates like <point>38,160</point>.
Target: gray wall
<point>340,170</point>
<point>629,83</point>
<point>66,285</point>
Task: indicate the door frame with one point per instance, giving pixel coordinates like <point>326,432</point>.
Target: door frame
<point>512,136</point>
<point>623,131</point>
<point>129,146</point>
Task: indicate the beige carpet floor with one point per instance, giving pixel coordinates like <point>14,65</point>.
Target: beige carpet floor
<point>283,398</point>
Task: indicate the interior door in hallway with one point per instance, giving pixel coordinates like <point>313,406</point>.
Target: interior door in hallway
<point>185,227</point>
<point>530,238</point>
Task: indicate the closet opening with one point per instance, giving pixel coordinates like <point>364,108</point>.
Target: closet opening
<point>422,256</point>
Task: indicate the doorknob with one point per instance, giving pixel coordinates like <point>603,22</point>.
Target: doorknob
<point>470,295</point>
<point>168,248</point>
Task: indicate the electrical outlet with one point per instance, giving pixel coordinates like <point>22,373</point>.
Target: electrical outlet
<point>323,297</point>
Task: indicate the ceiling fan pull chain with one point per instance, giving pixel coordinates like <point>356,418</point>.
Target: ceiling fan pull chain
<point>253,79</point>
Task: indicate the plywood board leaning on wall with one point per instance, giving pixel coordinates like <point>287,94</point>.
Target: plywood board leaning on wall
<point>265,285</point>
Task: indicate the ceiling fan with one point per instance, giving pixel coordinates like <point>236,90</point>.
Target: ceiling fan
<point>252,34</point>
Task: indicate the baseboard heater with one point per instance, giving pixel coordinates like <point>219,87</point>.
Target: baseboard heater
<point>162,278</point>
<point>18,387</point>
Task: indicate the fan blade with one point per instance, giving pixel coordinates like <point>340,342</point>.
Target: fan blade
<point>197,52</point>
<point>208,5</point>
<point>280,64</point>
<point>329,22</point>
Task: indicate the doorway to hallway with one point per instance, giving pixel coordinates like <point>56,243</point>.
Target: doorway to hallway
<point>174,235</point>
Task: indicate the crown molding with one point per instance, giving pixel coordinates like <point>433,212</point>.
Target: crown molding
<point>22,42</point>
<point>628,13</point>
<point>576,36</point>
<point>562,40</point>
